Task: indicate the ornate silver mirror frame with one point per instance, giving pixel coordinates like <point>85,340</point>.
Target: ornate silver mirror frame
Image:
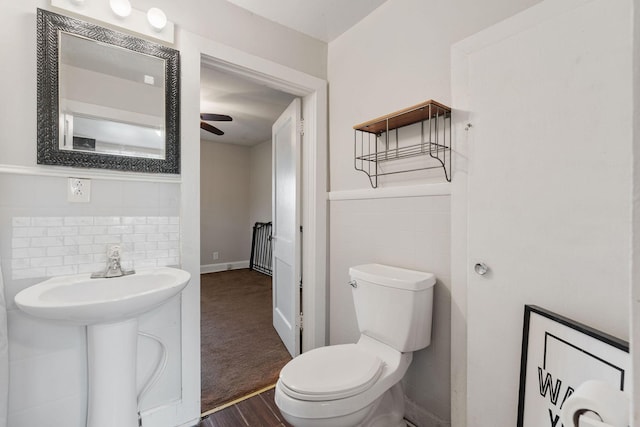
<point>49,152</point>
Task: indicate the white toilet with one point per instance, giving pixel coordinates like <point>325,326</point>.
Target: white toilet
<point>359,384</point>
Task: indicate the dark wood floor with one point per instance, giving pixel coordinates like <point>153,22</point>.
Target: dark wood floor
<point>257,411</point>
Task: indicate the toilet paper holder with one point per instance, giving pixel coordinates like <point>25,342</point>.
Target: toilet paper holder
<point>596,404</point>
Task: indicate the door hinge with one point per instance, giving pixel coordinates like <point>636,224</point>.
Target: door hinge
<point>300,317</point>
<point>301,127</point>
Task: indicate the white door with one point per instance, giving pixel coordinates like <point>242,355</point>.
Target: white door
<point>547,191</point>
<point>286,226</point>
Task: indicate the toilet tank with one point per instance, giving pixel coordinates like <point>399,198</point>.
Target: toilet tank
<point>394,305</point>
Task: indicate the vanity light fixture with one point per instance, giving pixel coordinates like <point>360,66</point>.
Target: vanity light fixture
<point>157,18</point>
<point>122,8</point>
<point>120,13</point>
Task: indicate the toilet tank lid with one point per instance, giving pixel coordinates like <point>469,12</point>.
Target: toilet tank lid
<point>394,277</point>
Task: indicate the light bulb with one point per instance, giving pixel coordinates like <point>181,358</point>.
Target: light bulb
<point>157,18</point>
<point>122,8</point>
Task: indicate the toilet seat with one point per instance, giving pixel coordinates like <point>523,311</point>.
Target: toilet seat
<point>330,373</point>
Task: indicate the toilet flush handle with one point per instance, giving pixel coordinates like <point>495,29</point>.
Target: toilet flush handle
<point>353,283</point>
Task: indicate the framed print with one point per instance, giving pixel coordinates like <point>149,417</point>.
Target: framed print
<point>559,354</point>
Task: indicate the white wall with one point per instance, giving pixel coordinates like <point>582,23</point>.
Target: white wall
<point>417,238</point>
<point>260,183</point>
<point>224,220</point>
<point>231,25</point>
<point>397,57</point>
<point>542,192</point>
<point>21,178</point>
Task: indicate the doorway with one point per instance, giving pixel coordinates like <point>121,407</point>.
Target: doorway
<point>240,351</point>
<point>194,51</point>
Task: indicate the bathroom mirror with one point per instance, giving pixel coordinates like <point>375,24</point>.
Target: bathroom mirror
<point>105,99</point>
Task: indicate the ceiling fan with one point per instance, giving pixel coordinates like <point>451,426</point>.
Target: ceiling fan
<point>213,118</point>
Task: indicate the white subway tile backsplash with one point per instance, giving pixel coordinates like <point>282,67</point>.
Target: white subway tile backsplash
<point>20,263</point>
<point>106,220</point>
<point>62,270</point>
<point>43,242</point>
<point>28,252</point>
<point>78,240</point>
<point>28,273</point>
<point>62,231</point>
<point>120,229</point>
<point>132,238</point>
<point>19,242</point>
<point>134,220</point>
<point>172,228</point>
<point>21,221</point>
<point>78,220</point>
<point>52,246</point>
<point>47,261</point>
<point>111,239</point>
<point>92,230</point>
<point>157,220</point>
<point>47,221</point>
<point>78,259</point>
<point>158,237</point>
<point>146,229</point>
<point>62,250</point>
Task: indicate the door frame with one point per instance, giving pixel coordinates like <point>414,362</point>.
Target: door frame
<point>313,91</point>
<point>313,203</point>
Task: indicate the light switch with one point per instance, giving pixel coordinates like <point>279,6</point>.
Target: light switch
<point>79,190</point>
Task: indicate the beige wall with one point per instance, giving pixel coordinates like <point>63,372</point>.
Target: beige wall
<point>224,202</point>
<point>236,193</point>
<point>260,178</point>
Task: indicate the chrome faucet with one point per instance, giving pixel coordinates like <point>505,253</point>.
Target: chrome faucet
<point>114,269</point>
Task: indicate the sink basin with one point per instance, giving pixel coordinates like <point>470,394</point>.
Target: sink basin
<point>81,300</point>
<point>109,308</point>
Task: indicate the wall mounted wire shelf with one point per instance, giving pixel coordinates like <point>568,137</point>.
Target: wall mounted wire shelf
<point>378,141</point>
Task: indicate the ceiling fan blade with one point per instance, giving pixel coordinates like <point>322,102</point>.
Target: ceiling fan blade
<point>215,117</point>
<point>209,128</point>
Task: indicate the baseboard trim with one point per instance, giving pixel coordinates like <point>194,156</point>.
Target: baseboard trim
<point>223,266</point>
<point>421,417</point>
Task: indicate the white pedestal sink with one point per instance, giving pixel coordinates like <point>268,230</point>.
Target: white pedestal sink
<point>110,309</point>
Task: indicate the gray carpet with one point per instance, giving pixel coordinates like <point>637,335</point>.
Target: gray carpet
<point>240,350</point>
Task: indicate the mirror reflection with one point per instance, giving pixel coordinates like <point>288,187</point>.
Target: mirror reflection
<point>111,99</point>
<point>106,99</point>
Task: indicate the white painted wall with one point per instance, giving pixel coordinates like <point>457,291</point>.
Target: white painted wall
<point>417,237</point>
<point>260,183</point>
<point>542,192</point>
<point>397,57</point>
<point>224,220</point>
<point>231,25</point>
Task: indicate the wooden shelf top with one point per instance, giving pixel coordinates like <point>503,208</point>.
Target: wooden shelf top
<point>405,117</point>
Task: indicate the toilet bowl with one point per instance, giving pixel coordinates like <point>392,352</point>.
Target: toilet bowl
<point>359,384</point>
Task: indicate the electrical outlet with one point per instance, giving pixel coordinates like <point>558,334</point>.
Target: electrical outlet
<point>79,190</point>
<point>216,255</point>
